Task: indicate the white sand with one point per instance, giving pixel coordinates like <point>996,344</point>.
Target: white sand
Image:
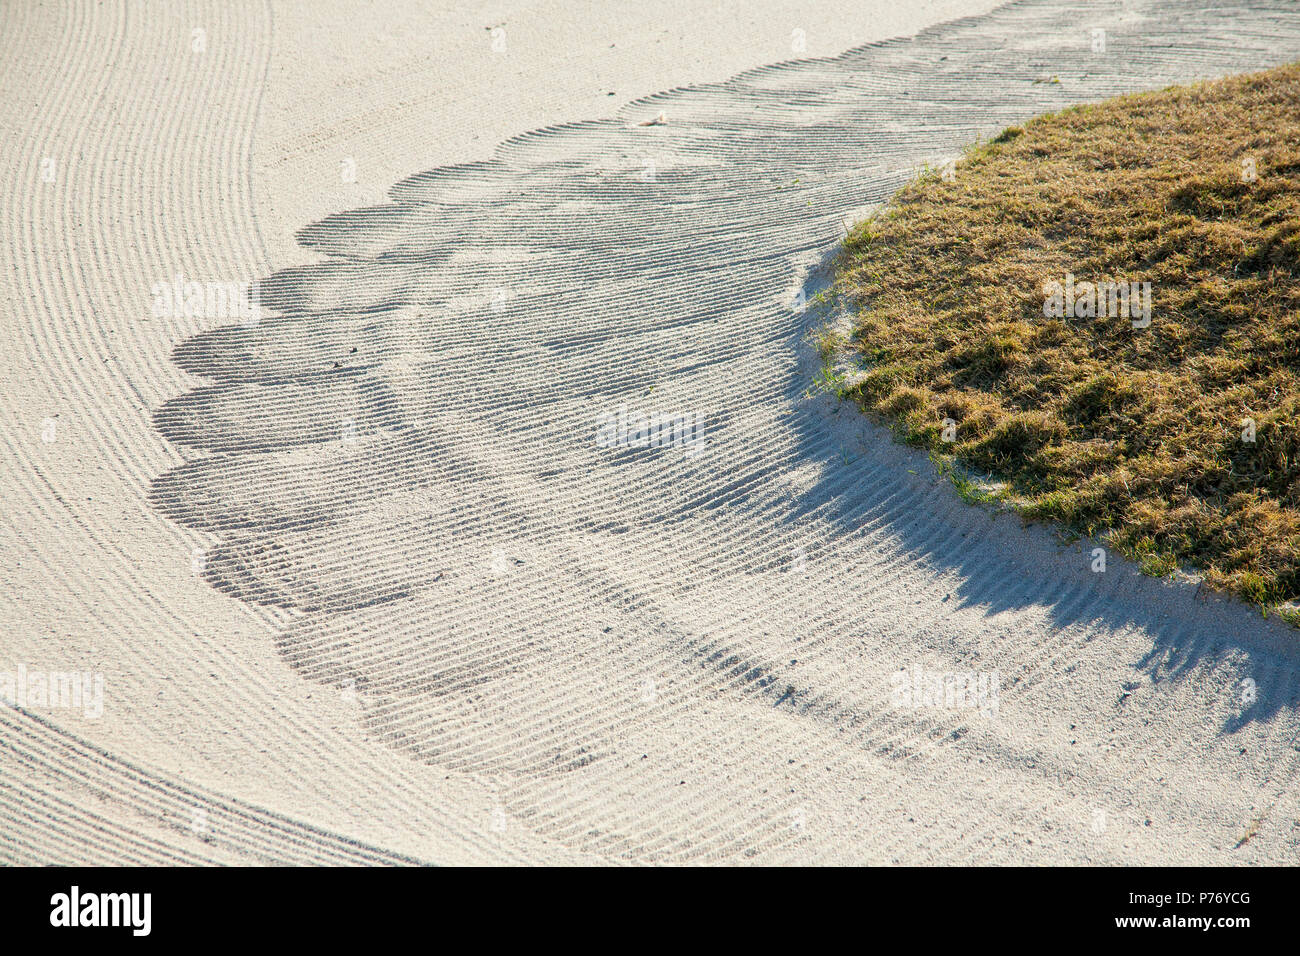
<point>446,624</point>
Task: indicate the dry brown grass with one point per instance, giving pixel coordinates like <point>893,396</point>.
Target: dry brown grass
<point>1135,434</point>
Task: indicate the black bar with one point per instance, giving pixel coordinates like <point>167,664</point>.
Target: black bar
<point>931,906</point>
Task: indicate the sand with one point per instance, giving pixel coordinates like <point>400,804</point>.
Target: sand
<point>384,573</point>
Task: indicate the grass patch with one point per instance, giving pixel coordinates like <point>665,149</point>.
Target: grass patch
<point>1177,440</point>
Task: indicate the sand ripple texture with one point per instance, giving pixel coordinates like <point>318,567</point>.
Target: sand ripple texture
<point>417,460</point>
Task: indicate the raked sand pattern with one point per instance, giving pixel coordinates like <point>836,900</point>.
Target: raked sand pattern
<point>524,465</point>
